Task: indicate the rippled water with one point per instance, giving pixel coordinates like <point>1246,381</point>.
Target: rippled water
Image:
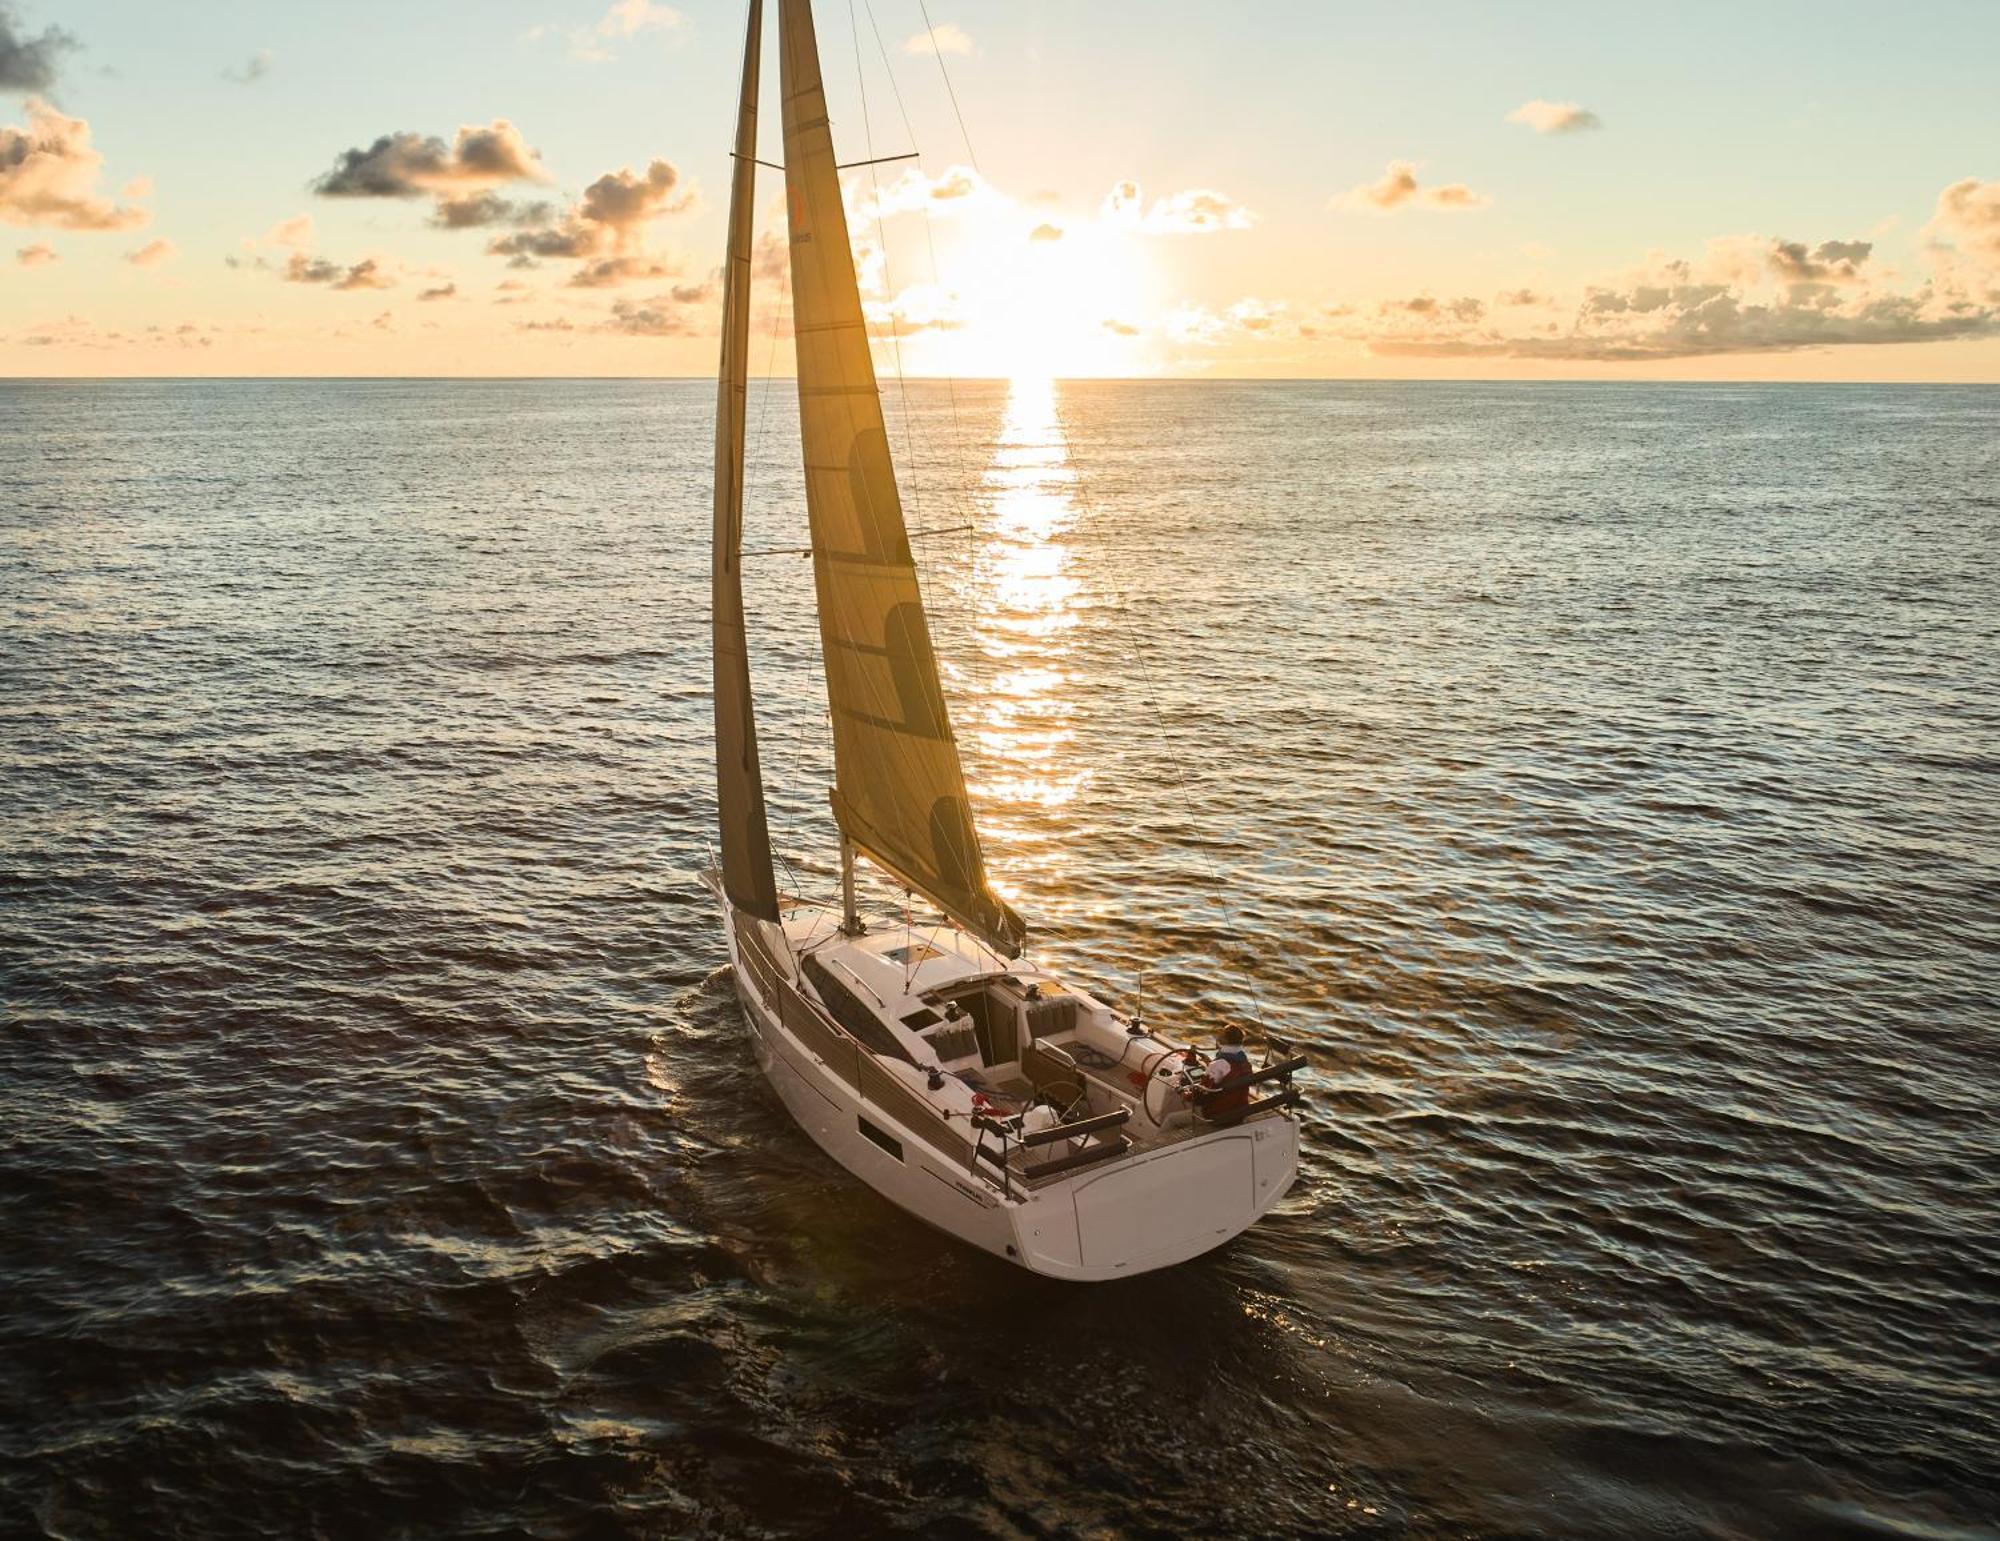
<point>1600,780</point>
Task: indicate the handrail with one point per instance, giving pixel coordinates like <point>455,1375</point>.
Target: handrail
<point>1085,1157</point>
<point>1013,1142</point>
<point>1077,1130</point>
<point>1290,1097</point>
<point>1236,1083</point>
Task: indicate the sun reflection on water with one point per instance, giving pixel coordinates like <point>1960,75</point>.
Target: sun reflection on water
<point>1027,609</point>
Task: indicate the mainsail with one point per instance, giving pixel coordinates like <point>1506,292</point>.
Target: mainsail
<point>899,791</point>
<point>739,783</point>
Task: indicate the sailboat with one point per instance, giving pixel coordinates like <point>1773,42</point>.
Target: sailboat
<point>982,1094</point>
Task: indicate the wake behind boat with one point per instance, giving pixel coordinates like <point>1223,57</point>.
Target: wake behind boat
<point>976,1091</point>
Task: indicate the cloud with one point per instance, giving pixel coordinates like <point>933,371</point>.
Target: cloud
<point>568,240</point>
<point>622,201</point>
<point>365,274</point>
<point>610,272</point>
<point>771,261</point>
<point>946,38</point>
<point>28,64</point>
<point>606,227</point>
<point>1194,324</point>
<point>1699,321</point>
<point>1046,233</point>
<point>76,332</point>
<point>625,20</point>
<point>39,255</point>
<point>1968,213</point>
<point>1555,117</point>
<point>1202,327</point>
<point>1254,315</point>
<point>301,269</point>
<point>1119,328</point>
<point>408,165</point>
<point>1666,312</point>
<point>1463,309</point>
<point>1399,188</point>
<point>919,308</point>
<point>1522,297</point>
<point>441,292</point>
<point>476,211</point>
<point>48,176</point>
<point>252,70</point>
<point>152,254</point>
<point>952,189</point>
<point>628,18</point>
<point>656,317</point>
<point>294,234</point>
<point>1196,211</point>
<point>1829,262</point>
<point>1455,195</point>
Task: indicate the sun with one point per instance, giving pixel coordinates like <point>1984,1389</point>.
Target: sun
<point>1021,297</point>
<point>1049,307</point>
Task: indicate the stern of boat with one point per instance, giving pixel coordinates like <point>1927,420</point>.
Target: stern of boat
<point>1160,1208</point>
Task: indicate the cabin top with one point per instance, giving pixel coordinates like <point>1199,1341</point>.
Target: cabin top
<point>895,964</point>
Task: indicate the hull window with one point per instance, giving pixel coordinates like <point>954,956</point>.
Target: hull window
<point>892,1145</point>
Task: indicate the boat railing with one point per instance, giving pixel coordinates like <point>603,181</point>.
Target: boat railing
<point>1286,1096</point>
<point>851,1061</point>
<point>1011,1150</point>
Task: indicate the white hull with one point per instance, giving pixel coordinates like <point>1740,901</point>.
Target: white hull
<point>1144,1210</point>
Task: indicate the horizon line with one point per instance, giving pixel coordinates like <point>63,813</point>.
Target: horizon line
<point>709,379</point>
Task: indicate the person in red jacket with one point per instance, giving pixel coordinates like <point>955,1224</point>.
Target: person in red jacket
<point>1230,1062</point>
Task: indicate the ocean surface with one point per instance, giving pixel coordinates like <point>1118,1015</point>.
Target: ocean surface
<point>1602,782</point>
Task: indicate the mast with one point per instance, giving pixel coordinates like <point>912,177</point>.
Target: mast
<point>739,781</point>
<point>899,789</point>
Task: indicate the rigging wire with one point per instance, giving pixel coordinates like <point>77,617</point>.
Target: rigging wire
<point>930,32</point>
<point>888,279</point>
<point>960,622</point>
<point>930,244</point>
<point>918,570</point>
<point>895,335</point>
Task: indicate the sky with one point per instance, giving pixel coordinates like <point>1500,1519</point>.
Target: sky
<point>1451,190</point>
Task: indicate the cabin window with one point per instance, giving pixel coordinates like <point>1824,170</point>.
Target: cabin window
<point>852,1013</point>
<point>889,1143</point>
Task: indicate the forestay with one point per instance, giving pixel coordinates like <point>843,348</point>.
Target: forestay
<point>899,788</point>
